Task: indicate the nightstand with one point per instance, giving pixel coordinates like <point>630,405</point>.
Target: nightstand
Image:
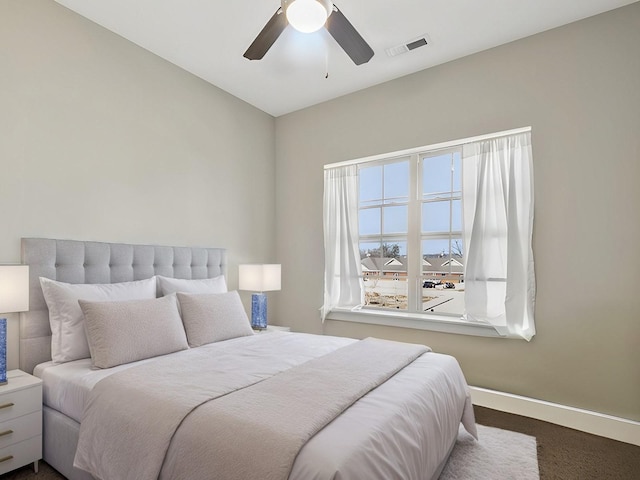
<point>273,328</point>
<point>20,421</point>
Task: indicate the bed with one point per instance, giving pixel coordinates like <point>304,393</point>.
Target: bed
<point>403,426</point>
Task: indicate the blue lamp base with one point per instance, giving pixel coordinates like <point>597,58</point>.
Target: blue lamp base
<point>3,351</point>
<point>258,311</point>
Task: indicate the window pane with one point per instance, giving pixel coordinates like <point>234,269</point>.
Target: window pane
<point>386,291</point>
<point>435,247</point>
<point>370,183</point>
<point>384,270</point>
<point>396,249</point>
<point>370,260</point>
<point>385,250</point>
<point>369,221</point>
<point>436,174</point>
<point>457,248</point>
<point>442,275</point>
<point>395,219</point>
<point>443,247</point>
<point>396,181</point>
<point>369,249</point>
<point>436,217</point>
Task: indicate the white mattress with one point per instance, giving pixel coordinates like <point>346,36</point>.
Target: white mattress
<point>377,437</point>
<point>65,386</point>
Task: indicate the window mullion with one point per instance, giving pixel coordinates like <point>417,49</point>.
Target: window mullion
<point>414,265</point>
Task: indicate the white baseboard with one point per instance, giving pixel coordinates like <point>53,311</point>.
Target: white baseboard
<point>596,423</point>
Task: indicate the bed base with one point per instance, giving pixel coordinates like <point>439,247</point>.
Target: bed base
<point>60,441</point>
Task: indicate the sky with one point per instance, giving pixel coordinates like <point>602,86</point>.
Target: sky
<point>387,188</point>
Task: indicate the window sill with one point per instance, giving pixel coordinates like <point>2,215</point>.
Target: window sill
<point>435,323</point>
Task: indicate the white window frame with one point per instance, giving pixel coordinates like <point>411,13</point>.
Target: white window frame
<point>420,321</point>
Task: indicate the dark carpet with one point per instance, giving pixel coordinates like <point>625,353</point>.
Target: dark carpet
<point>563,453</point>
<point>567,454</point>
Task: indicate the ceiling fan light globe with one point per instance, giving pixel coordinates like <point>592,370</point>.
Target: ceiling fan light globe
<point>308,16</point>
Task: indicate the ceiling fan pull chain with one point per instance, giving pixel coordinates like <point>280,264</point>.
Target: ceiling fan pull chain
<point>326,59</point>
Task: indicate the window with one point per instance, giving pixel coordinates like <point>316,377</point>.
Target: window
<point>421,271</point>
<point>430,234</point>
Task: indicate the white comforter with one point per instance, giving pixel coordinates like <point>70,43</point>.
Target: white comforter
<point>402,429</point>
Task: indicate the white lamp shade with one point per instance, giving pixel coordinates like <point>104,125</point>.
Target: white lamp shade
<point>259,278</point>
<point>308,16</point>
<point>14,288</point>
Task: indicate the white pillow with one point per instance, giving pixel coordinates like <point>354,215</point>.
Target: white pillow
<point>68,339</point>
<point>213,318</point>
<point>123,332</point>
<point>206,285</point>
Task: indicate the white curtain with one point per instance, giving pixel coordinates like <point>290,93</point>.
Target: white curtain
<point>498,225</point>
<point>343,283</point>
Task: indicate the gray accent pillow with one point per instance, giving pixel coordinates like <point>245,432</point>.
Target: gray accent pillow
<point>68,339</point>
<point>206,285</point>
<point>123,332</point>
<point>213,317</point>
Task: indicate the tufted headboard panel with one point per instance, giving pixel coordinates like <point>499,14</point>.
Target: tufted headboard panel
<point>73,261</point>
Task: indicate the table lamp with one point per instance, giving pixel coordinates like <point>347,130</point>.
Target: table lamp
<point>259,278</point>
<point>14,297</point>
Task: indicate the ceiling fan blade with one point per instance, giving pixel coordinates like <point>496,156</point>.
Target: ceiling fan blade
<point>267,36</point>
<point>348,37</point>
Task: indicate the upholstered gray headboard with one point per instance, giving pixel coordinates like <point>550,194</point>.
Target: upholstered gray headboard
<point>74,261</point>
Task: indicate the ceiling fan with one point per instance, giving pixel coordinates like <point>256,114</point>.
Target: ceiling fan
<point>309,16</point>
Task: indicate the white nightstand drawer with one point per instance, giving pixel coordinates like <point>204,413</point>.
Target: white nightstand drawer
<point>14,404</point>
<point>21,428</point>
<point>19,454</point>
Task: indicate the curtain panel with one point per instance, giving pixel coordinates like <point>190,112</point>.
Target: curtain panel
<point>343,284</point>
<point>497,189</point>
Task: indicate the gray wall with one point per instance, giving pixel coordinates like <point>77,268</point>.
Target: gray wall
<point>579,88</point>
<point>102,140</point>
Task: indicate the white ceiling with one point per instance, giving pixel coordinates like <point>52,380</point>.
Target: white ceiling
<point>208,38</point>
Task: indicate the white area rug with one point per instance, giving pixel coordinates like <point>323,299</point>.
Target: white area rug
<point>497,455</point>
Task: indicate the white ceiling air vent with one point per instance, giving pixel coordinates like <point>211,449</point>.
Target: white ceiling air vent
<point>408,46</point>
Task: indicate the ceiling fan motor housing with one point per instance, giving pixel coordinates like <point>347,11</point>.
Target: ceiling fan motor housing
<point>307,15</point>
<point>328,5</point>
